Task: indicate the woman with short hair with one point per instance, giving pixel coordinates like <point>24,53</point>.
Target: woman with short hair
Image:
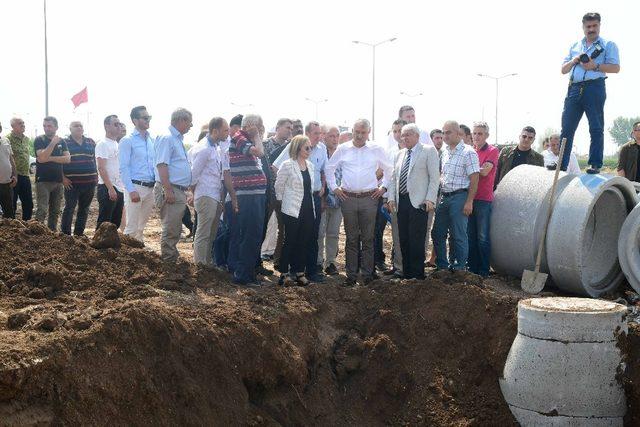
<point>293,188</point>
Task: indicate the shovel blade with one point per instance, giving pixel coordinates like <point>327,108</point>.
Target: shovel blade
<point>533,281</point>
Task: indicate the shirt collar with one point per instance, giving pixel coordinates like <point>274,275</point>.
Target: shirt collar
<point>459,147</point>
<point>598,40</point>
<point>176,133</point>
<point>212,143</point>
<point>484,147</point>
<point>107,139</point>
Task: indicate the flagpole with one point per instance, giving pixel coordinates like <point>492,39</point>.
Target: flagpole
<point>46,64</point>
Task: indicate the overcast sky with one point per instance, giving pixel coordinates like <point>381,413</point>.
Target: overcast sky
<point>207,56</point>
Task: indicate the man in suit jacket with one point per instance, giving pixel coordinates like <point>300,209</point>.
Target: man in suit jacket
<point>413,190</point>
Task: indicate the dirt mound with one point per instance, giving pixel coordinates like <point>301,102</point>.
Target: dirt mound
<point>89,335</point>
<point>106,237</point>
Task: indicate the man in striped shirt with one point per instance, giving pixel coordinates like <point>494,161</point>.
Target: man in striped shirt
<point>79,180</point>
<point>250,185</point>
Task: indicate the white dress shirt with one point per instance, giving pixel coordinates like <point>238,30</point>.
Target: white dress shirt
<point>207,172</point>
<point>424,139</point>
<point>552,159</point>
<point>108,149</point>
<point>359,166</point>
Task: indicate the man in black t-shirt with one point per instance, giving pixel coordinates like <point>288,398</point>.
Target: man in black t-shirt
<point>51,154</point>
<point>521,154</point>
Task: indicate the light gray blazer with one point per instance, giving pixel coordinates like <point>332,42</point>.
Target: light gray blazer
<point>424,175</point>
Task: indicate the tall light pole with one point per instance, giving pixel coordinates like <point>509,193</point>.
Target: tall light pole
<point>317,102</point>
<point>373,79</point>
<point>242,106</point>
<point>46,64</point>
<point>411,95</point>
<point>497,79</point>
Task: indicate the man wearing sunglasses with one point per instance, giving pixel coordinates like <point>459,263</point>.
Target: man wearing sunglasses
<point>136,155</point>
<point>521,154</point>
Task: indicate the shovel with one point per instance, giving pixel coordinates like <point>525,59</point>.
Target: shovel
<point>533,281</point>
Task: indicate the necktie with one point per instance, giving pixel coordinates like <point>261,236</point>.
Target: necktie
<point>404,172</point>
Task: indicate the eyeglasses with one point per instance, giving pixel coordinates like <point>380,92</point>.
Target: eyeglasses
<point>307,148</point>
<point>145,118</point>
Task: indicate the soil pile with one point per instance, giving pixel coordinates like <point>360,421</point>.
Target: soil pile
<point>114,336</point>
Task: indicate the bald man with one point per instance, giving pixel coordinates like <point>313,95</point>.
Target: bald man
<point>460,170</point>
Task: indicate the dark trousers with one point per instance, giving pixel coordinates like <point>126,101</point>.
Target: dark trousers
<point>6,201</point>
<point>186,219</point>
<point>479,242</point>
<point>221,242</point>
<point>246,233</point>
<point>80,196</point>
<point>378,238</point>
<point>22,190</point>
<point>280,239</point>
<point>109,210</point>
<point>589,98</point>
<point>298,239</point>
<point>312,247</point>
<point>412,230</point>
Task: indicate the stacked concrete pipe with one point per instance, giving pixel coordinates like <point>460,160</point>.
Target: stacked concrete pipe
<point>580,248</point>
<point>629,248</point>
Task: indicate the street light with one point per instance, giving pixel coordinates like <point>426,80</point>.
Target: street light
<point>242,106</point>
<point>317,102</point>
<point>497,79</point>
<point>373,83</point>
<point>411,95</point>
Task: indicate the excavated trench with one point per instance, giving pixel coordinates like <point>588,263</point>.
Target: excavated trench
<point>112,336</point>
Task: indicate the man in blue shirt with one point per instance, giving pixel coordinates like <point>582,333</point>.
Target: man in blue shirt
<point>588,62</point>
<point>136,155</point>
<point>172,181</point>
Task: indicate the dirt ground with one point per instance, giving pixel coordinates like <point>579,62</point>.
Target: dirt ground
<point>114,336</point>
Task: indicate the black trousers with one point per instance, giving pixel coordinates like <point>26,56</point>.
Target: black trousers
<point>186,220</point>
<point>23,191</point>
<point>109,210</point>
<point>378,237</point>
<point>6,201</point>
<point>412,230</point>
<point>297,238</point>
<point>80,196</point>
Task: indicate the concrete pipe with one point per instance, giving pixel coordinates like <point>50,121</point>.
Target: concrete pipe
<point>582,239</point>
<point>562,366</point>
<point>518,216</point>
<point>629,248</point>
<point>583,231</point>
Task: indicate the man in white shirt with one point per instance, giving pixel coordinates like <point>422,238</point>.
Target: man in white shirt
<point>408,114</point>
<point>359,193</point>
<point>209,169</point>
<point>552,154</point>
<point>110,192</point>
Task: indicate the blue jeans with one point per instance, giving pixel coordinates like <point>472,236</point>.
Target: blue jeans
<point>479,242</point>
<point>587,97</point>
<point>449,218</point>
<point>221,242</point>
<point>246,237</point>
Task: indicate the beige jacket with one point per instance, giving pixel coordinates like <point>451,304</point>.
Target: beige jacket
<point>423,179</point>
<point>289,186</point>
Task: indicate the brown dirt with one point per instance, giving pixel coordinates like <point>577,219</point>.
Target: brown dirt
<point>114,336</point>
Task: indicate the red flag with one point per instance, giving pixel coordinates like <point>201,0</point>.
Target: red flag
<point>80,97</point>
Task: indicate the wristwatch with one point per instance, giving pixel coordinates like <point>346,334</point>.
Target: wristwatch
<point>597,67</point>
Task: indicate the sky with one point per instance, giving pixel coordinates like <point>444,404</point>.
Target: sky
<point>223,58</point>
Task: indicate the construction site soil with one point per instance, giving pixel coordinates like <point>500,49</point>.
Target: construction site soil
<point>113,336</point>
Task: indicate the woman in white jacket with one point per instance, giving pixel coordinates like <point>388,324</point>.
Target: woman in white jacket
<point>293,187</point>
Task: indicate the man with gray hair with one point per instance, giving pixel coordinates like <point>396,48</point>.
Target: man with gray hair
<point>172,182</point>
<point>250,185</point>
<point>21,146</point>
<point>413,189</point>
<point>359,193</point>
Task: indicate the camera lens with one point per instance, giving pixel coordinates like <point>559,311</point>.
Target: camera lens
<point>584,58</point>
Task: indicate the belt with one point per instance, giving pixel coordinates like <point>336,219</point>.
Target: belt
<point>451,193</point>
<point>586,82</point>
<point>180,187</point>
<point>359,195</point>
<point>144,183</point>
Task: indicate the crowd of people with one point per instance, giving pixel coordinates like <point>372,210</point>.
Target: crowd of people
<point>312,179</point>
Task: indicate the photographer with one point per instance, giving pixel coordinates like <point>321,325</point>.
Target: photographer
<point>588,62</point>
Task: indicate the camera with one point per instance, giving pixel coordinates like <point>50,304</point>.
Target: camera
<point>584,58</point>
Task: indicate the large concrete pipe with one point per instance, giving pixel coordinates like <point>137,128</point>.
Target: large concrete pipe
<point>517,217</point>
<point>629,248</point>
<point>562,369</point>
<point>582,240</point>
<point>583,232</point>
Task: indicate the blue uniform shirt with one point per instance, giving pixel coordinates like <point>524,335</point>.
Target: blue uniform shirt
<point>170,151</point>
<point>136,155</point>
<point>608,56</point>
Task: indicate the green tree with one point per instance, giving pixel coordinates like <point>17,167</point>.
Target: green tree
<point>620,131</point>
